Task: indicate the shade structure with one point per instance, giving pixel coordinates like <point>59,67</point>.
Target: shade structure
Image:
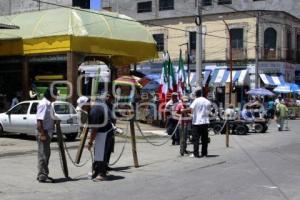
<point>205,75</point>
<point>60,30</point>
<point>222,76</point>
<point>128,81</point>
<point>273,80</point>
<point>260,92</point>
<point>287,88</point>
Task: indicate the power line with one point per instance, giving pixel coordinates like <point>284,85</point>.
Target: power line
<point>126,19</point>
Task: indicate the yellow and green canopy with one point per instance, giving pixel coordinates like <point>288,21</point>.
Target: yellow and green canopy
<point>77,30</point>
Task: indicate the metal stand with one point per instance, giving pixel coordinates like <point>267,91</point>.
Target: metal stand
<point>61,148</point>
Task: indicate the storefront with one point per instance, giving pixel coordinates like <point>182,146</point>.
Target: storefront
<point>220,85</point>
<point>57,41</point>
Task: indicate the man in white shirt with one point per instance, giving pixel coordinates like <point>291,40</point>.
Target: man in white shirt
<point>200,109</point>
<point>45,127</point>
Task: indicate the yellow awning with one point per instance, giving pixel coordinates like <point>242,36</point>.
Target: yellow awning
<point>84,31</point>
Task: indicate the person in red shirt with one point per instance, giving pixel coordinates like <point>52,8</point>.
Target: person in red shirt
<point>184,120</point>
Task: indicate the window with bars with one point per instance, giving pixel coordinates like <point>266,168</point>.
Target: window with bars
<point>237,38</point>
<point>221,2</point>
<point>192,41</point>
<point>81,4</point>
<point>166,5</point>
<point>206,2</point>
<point>160,41</point>
<point>143,7</point>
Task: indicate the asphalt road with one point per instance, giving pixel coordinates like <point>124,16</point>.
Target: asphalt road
<point>255,167</point>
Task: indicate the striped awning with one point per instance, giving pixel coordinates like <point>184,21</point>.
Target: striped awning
<point>272,79</point>
<point>205,75</point>
<point>222,76</point>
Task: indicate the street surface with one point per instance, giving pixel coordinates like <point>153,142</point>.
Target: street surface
<point>255,167</point>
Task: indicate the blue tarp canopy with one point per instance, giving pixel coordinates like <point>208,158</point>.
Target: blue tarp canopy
<point>287,88</point>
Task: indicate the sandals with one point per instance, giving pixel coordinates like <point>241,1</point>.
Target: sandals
<point>46,180</point>
<point>99,178</point>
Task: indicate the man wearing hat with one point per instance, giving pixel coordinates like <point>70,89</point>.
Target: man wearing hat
<point>184,120</point>
<point>170,111</point>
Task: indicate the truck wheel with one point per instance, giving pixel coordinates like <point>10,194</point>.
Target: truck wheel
<point>217,128</point>
<point>240,130</point>
<point>71,136</point>
<point>259,128</point>
<point>1,131</point>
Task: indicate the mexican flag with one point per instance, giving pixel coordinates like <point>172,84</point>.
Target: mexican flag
<point>181,76</point>
<point>167,79</point>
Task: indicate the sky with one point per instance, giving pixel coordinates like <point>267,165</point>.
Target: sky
<point>95,4</point>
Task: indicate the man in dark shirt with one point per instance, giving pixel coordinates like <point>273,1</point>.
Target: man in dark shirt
<point>100,120</point>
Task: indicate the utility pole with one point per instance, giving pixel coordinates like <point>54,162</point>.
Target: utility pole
<point>257,51</point>
<point>39,4</point>
<point>199,46</point>
<point>230,60</point>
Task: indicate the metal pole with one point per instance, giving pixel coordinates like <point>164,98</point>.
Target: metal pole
<point>188,67</point>
<point>199,46</point>
<point>257,51</point>
<point>230,61</point>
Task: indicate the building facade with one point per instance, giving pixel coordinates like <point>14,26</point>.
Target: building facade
<point>172,23</point>
<point>8,7</point>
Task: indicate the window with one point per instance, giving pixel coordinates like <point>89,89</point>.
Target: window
<point>237,38</point>
<point>20,109</point>
<point>160,42</point>
<point>166,4</point>
<point>270,38</point>
<point>289,40</point>
<point>221,2</point>
<point>206,2</point>
<point>33,108</point>
<point>81,4</point>
<point>144,7</point>
<point>192,40</point>
<point>64,109</point>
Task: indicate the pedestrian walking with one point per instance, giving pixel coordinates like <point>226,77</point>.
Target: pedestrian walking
<point>100,122</point>
<point>281,114</point>
<point>172,122</point>
<point>200,109</point>
<point>184,120</point>
<point>45,128</point>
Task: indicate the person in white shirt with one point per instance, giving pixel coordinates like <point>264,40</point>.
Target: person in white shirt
<point>200,109</point>
<point>45,128</point>
<point>230,113</point>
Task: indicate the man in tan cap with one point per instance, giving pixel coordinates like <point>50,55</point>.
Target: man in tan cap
<point>184,120</point>
<point>172,121</point>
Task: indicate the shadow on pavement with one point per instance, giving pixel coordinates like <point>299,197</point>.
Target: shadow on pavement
<point>114,178</point>
<point>20,136</point>
<point>212,156</point>
<point>62,180</point>
<point>120,169</point>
